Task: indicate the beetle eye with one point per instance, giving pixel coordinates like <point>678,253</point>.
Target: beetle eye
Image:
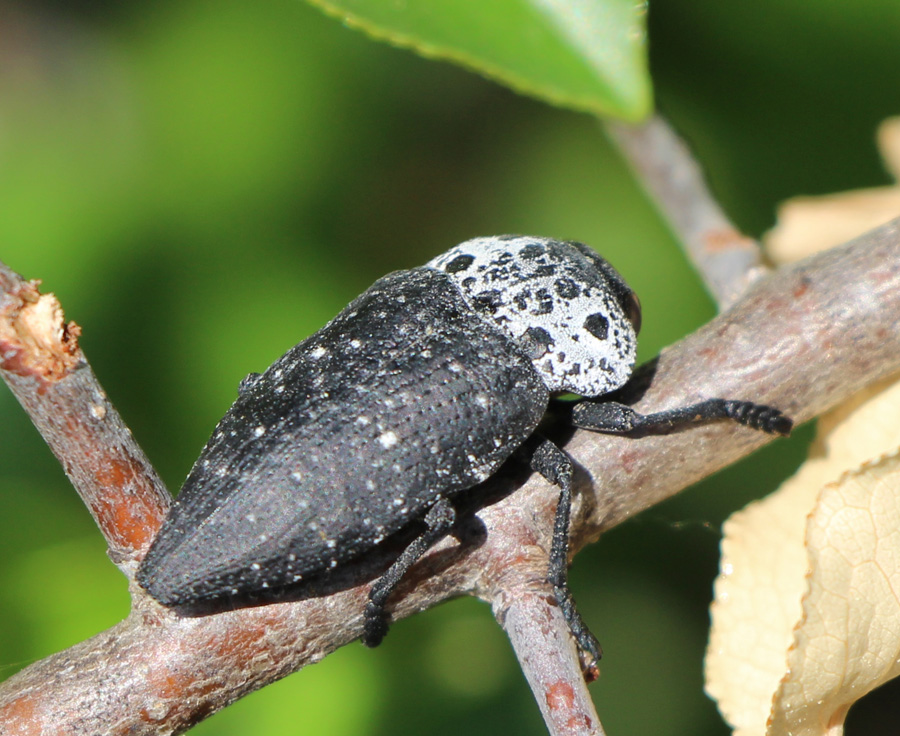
<point>633,311</point>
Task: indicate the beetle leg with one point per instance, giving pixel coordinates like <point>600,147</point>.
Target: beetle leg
<point>439,520</point>
<point>611,417</point>
<point>556,466</point>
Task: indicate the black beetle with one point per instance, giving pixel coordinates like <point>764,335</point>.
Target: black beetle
<point>417,391</point>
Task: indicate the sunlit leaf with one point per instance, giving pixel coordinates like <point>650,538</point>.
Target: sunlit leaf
<point>847,642</point>
<point>585,54</point>
<point>803,572</point>
<point>804,621</point>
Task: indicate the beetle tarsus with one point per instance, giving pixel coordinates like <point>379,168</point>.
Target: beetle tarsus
<point>759,416</point>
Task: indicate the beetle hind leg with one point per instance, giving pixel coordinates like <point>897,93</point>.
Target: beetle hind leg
<point>556,466</point>
<point>439,520</point>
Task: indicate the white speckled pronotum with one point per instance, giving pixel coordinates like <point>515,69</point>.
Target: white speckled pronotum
<point>566,307</point>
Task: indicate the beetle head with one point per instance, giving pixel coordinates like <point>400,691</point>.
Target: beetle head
<point>560,302</point>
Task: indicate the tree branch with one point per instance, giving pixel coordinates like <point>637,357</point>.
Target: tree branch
<point>803,340</point>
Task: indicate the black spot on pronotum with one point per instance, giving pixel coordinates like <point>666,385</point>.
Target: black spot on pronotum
<point>567,288</point>
<point>488,301</point>
<point>544,302</point>
<point>537,342</point>
<point>597,325</point>
<point>460,263</point>
<point>532,251</point>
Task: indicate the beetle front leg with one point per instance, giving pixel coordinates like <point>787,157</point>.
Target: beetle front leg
<point>439,520</point>
<point>611,417</point>
<point>556,466</point>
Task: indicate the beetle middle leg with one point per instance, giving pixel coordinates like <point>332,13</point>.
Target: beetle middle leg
<point>439,520</point>
<point>556,466</point>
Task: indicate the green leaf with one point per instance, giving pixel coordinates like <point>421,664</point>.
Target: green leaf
<point>584,54</point>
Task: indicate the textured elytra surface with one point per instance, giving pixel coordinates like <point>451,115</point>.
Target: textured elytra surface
<point>559,301</point>
<point>406,396</point>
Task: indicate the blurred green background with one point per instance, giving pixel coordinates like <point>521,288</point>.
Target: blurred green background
<point>205,183</point>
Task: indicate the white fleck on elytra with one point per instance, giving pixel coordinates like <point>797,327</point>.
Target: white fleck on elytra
<point>388,439</point>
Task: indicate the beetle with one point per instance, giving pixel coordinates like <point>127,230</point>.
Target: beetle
<point>416,392</point>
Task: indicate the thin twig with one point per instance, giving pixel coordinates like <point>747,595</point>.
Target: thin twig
<point>804,340</point>
<point>727,260</point>
<point>546,653</point>
<point>42,364</point>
